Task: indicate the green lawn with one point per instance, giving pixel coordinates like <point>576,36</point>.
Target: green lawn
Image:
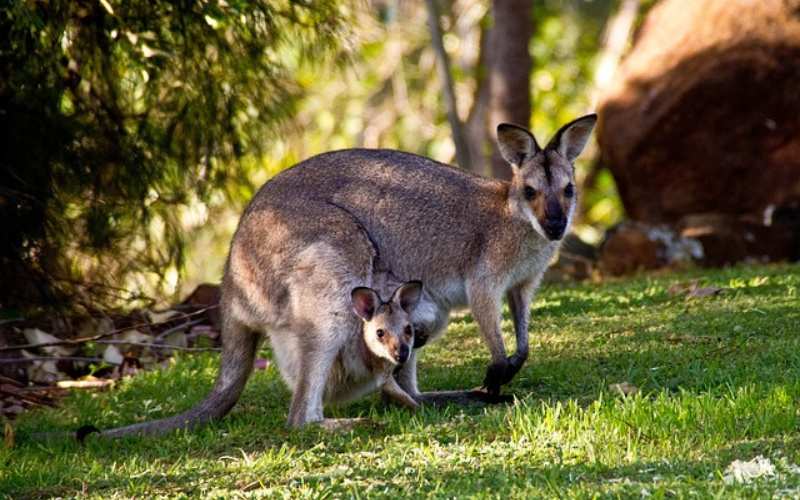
<point>719,380</point>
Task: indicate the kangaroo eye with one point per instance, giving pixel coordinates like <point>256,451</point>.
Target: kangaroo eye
<point>530,193</point>
<point>569,191</point>
<point>380,333</point>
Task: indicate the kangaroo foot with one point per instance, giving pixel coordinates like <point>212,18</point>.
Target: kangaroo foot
<point>501,373</point>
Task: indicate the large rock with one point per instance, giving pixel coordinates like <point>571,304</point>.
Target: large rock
<point>636,246</point>
<point>705,113</point>
<point>727,239</point>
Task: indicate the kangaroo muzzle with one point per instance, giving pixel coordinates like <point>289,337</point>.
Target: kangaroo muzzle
<point>555,221</point>
<point>555,228</point>
<point>402,353</point>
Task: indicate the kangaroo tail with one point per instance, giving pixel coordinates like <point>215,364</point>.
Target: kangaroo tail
<point>238,355</point>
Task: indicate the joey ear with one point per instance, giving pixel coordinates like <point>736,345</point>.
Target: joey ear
<point>408,295</point>
<point>570,139</point>
<point>365,302</point>
<point>515,143</point>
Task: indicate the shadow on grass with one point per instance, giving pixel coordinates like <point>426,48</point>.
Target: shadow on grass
<point>701,474</point>
<point>498,480</point>
<point>718,362</point>
<point>711,346</point>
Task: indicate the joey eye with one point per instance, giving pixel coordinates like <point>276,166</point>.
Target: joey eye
<point>380,333</point>
<point>569,191</point>
<point>529,192</point>
<point>409,331</point>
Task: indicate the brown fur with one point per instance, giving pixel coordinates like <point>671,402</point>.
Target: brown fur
<point>339,220</point>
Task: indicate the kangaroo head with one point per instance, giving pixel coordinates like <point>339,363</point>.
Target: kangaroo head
<point>387,325</point>
<point>543,182</point>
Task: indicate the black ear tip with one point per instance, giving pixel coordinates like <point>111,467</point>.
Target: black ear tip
<point>359,290</point>
<point>590,117</point>
<point>413,286</point>
<point>84,431</point>
<point>506,127</point>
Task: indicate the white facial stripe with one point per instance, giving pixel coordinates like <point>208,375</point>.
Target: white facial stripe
<point>375,346</point>
<point>526,208</point>
<point>570,213</point>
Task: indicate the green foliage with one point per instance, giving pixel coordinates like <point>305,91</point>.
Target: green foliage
<point>119,115</point>
<point>564,45</point>
<point>136,131</point>
<point>718,380</point>
<point>388,95</point>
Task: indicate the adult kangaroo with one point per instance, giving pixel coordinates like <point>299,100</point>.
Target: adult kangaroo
<point>337,220</point>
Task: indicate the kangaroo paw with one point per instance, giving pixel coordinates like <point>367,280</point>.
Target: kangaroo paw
<point>501,373</point>
<point>490,398</point>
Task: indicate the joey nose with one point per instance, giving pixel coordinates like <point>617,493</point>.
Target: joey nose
<point>555,229</point>
<point>402,354</point>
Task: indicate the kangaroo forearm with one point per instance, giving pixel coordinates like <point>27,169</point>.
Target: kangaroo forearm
<point>519,305</point>
<point>398,395</point>
<point>486,312</point>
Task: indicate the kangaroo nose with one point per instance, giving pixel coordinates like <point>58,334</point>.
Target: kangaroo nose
<point>555,229</point>
<point>402,354</point>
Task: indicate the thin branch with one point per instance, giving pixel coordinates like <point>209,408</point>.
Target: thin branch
<point>161,346</point>
<point>161,336</point>
<point>615,41</point>
<point>19,361</point>
<point>92,338</point>
<point>448,88</point>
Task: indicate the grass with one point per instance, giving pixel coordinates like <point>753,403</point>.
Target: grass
<point>719,380</point>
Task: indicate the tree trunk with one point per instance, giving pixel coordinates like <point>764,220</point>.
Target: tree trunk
<point>616,36</point>
<point>479,137</point>
<point>510,65</point>
<point>448,89</point>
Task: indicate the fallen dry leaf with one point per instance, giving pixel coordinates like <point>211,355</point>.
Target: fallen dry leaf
<point>134,336</point>
<point>89,327</point>
<point>130,366</point>
<point>681,288</point>
<point>160,316</point>
<point>42,371</point>
<point>693,290</point>
<point>689,339</point>
<point>177,339</point>
<point>706,291</point>
<point>624,389</point>
<point>36,336</point>
<point>88,382</point>
<point>204,331</point>
<point>111,355</point>
<point>14,409</point>
<point>8,436</point>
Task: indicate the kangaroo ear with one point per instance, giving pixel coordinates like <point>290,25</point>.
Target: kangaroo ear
<point>365,302</point>
<point>570,140</point>
<point>515,143</point>
<point>408,295</point>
